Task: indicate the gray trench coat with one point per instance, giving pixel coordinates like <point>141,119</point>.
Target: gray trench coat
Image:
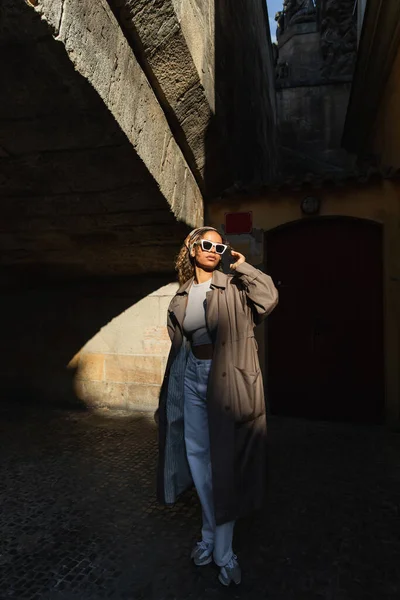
<point>235,395</point>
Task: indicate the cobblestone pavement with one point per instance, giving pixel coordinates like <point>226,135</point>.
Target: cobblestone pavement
<point>79,519</point>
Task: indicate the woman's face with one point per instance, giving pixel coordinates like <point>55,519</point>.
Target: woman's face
<point>207,260</point>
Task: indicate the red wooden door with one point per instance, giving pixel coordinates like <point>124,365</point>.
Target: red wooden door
<point>325,338</point>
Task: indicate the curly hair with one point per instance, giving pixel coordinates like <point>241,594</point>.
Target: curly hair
<point>184,263</point>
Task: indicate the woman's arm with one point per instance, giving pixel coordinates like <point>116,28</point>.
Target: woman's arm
<point>259,287</point>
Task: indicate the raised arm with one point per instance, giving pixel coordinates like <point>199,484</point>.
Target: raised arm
<point>259,287</point>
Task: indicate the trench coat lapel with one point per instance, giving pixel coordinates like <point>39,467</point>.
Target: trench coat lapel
<point>179,302</point>
<point>178,305</point>
<point>218,285</point>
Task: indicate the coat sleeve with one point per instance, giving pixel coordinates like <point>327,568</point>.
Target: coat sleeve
<point>171,333</point>
<point>259,288</point>
<point>170,327</point>
<point>170,323</point>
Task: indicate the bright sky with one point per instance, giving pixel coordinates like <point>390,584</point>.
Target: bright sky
<point>274,6</point>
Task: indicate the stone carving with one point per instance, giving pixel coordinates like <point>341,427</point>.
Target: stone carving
<point>294,12</point>
<point>338,39</point>
<point>280,23</point>
<point>282,70</point>
<point>299,11</point>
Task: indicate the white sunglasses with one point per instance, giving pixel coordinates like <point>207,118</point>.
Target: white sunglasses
<point>206,245</point>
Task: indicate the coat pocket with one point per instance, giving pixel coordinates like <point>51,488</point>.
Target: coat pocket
<point>245,392</point>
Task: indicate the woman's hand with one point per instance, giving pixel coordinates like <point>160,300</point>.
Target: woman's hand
<point>239,259</point>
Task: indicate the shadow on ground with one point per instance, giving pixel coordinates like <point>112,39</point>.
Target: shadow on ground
<point>80,518</point>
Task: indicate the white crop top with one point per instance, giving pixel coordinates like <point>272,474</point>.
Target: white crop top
<point>194,324</point>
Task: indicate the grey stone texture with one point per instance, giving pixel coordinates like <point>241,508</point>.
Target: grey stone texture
<point>335,22</point>
<point>338,39</point>
<point>197,21</point>
<point>80,518</point>
<point>211,64</point>
<point>299,49</point>
<point>98,49</point>
<point>314,66</point>
<point>154,31</point>
<point>119,118</point>
<point>311,120</point>
<point>45,327</point>
<point>78,197</point>
<point>244,105</point>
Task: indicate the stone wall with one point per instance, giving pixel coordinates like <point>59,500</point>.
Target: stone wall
<point>231,49</point>
<point>154,31</point>
<point>79,196</point>
<point>199,76</point>
<point>100,52</point>
<point>123,365</point>
<point>93,343</point>
<point>245,115</point>
<point>384,142</point>
<point>314,67</point>
<point>311,121</point>
<point>113,129</point>
<point>197,21</point>
<point>95,176</point>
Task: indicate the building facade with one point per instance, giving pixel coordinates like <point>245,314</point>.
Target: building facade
<point>328,232</point>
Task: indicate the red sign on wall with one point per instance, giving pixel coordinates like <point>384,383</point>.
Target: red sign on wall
<point>237,223</point>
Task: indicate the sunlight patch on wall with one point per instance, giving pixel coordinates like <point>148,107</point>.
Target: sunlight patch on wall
<point>123,365</point>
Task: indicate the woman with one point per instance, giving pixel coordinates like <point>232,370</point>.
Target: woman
<point>212,426</point>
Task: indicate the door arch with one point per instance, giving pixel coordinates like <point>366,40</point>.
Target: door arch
<point>325,338</point>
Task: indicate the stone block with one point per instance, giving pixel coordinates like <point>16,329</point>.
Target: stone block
<point>168,290</point>
<point>105,341</point>
<point>91,393</point>
<point>129,340</point>
<point>169,58</point>
<point>156,334</point>
<point>156,341</point>
<point>91,367</point>
<point>142,396</point>
<point>133,369</point>
<point>125,333</point>
<point>143,313</point>
<point>99,51</point>
<point>158,347</point>
<point>164,363</point>
<point>129,396</point>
